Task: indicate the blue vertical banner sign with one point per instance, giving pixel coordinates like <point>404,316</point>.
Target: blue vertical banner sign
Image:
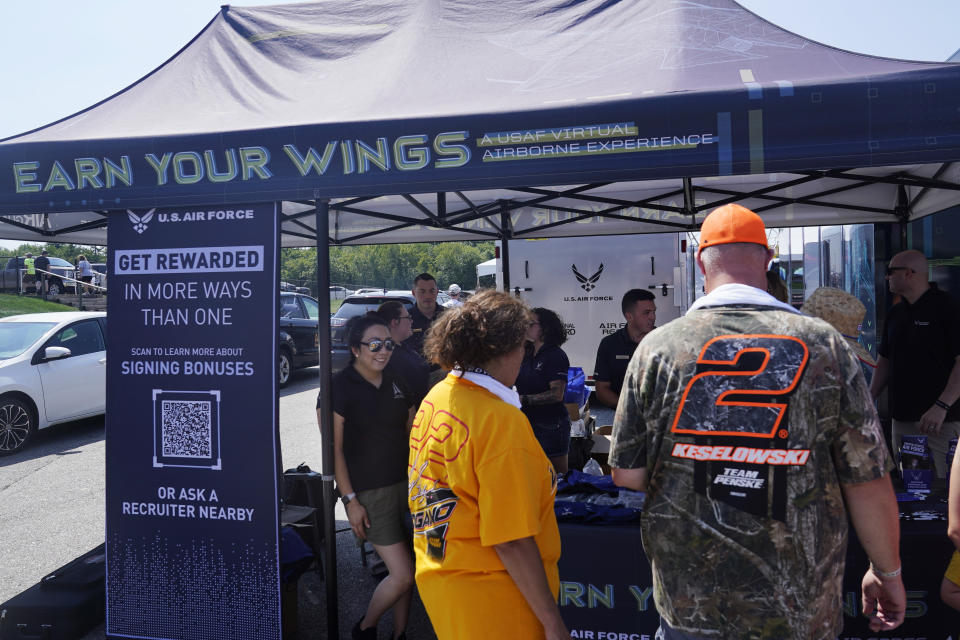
<point>192,449</point>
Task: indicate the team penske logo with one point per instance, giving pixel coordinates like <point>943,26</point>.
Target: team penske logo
<point>744,478</point>
<point>749,455</point>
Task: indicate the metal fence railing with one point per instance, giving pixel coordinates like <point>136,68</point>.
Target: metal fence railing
<point>41,275</point>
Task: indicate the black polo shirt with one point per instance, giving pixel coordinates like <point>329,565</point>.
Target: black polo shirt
<point>420,323</point>
<point>409,366</point>
<point>536,374</point>
<point>42,262</point>
<point>613,356</point>
<point>375,442</point>
<point>921,340</point>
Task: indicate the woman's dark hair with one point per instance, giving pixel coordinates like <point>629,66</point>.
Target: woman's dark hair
<point>777,287</point>
<point>390,310</point>
<point>551,326</point>
<point>488,325</point>
<point>358,325</point>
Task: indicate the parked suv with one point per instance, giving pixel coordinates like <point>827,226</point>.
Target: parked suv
<point>56,284</point>
<point>299,342</point>
<point>355,306</point>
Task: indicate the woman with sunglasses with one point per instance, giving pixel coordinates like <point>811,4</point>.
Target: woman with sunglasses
<point>481,488</point>
<point>372,414</point>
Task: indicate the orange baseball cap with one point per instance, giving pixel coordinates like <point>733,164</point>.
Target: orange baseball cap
<point>731,223</point>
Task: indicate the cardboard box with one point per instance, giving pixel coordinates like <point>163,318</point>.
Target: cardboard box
<point>601,446</point>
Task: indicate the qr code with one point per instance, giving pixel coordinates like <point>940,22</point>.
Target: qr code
<point>186,428</point>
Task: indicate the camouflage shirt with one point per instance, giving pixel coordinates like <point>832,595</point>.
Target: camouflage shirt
<point>747,419</point>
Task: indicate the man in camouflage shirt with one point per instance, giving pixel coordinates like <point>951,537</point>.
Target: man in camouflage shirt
<point>753,432</point>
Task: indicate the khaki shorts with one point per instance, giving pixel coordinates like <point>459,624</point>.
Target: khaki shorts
<point>386,510</point>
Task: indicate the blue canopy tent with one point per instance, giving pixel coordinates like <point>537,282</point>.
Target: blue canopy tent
<point>398,121</point>
<point>426,120</point>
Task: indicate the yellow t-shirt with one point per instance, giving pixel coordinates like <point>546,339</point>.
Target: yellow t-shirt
<point>478,477</point>
<point>953,569</point>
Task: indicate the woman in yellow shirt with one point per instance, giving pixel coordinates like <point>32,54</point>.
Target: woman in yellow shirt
<point>481,488</point>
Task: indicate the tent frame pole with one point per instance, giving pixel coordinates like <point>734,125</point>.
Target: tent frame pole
<point>506,232</point>
<point>326,418</point>
<point>902,210</point>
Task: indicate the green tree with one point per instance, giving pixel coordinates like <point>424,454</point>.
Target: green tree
<point>390,266</point>
<point>66,251</point>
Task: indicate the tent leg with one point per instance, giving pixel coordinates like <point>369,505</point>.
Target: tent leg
<point>326,418</point>
<point>505,233</point>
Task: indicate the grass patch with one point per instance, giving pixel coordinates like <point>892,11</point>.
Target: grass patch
<point>335,304</point>
<point>11,305</point>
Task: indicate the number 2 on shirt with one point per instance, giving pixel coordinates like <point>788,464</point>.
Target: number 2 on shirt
<point>742,386</point>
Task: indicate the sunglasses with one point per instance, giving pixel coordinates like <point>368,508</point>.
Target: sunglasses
<point>892,270</point>
<point>376,345</point>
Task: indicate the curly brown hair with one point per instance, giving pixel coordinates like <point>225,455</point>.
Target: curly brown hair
<point>488,325</point>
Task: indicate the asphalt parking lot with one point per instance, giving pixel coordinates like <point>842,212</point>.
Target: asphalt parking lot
<point>52,511</point>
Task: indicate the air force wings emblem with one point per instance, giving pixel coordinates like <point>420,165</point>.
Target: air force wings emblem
<point>140,222</point>
<point>587,284</point>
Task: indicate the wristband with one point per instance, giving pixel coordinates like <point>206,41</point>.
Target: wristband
<point>348,498</point>
<point>886,574</point>
<point>943,405</point>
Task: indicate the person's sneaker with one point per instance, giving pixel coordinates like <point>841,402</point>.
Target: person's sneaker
<point>363,634</point>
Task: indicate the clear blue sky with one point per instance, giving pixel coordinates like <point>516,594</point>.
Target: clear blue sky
<point>60,56</point>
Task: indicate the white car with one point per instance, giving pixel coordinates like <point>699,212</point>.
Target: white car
<point>52,369</point>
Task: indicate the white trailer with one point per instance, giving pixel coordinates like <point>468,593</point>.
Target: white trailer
<point>584,279</point>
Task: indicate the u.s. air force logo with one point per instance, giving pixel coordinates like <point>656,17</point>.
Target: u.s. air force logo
<point>587,283</point>
<point>140,222</point>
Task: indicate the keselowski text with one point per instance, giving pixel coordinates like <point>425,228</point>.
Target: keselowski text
<point>749,455</point>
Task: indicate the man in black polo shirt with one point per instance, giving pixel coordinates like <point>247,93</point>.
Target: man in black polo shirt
<point>425,311</point>
<point>920,358</point>
<point>42,265</point>
<point>640,310</point>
